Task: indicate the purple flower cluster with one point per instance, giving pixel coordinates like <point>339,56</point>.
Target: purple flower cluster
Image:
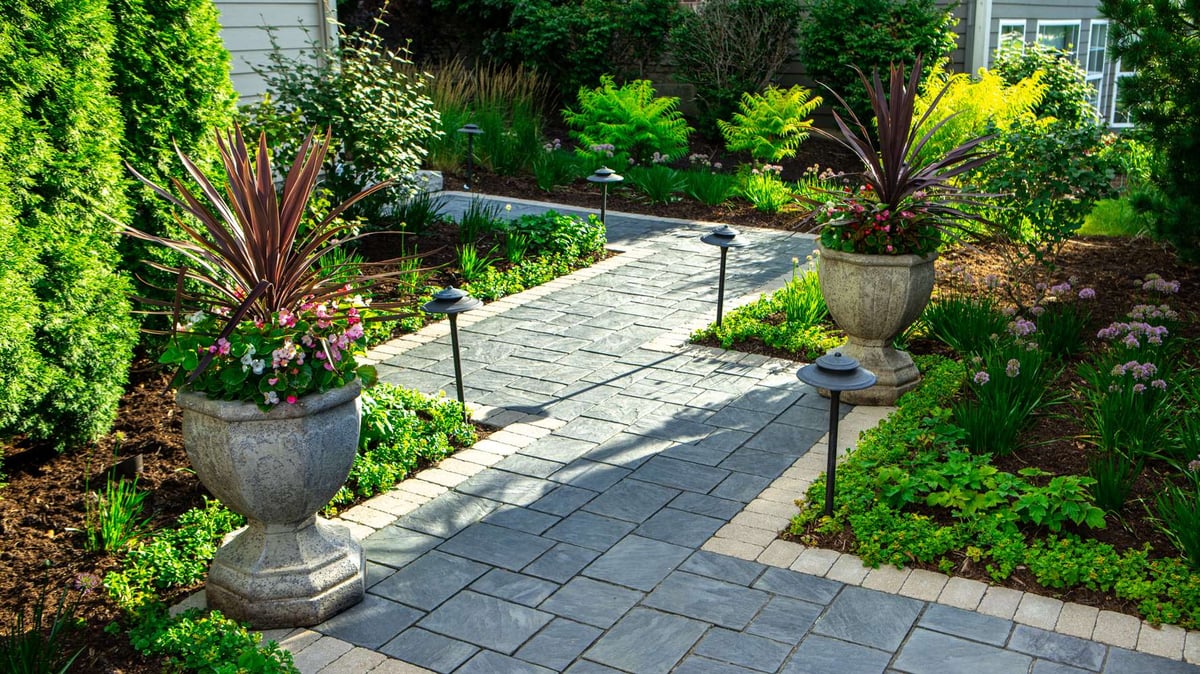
<point>1129,333</point>
<point>1158,284</point>
<point>1135,369</point>
<point>1021,327</point>
<point>1150,312</point>
<point>1012,368</point>
<point>1087,294</point>
<point>982,378</point>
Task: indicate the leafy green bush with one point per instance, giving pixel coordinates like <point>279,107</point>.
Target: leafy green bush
<point>636,124</point>
<point>208,643</point>
<point>771,125</point>
<point>376,104</point>
<point>169,66</point>
<point>836,35</point>
<point>576,42</point>
<point>1067,93</point>
<point>401,428</point>
<point>68,332</point>
<point>552,233</point>
<point>1050,174</point>
<point>756,40</point>
<point>1154,40</point>
<point>793,318</point>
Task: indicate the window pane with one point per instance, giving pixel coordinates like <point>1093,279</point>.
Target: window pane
<point>1060,37</point>
<point>1097,48</point>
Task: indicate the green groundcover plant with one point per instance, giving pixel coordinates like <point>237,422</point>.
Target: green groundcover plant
<point>915,460</point>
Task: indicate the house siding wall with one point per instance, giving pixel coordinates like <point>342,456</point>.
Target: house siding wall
<point>296,25</point>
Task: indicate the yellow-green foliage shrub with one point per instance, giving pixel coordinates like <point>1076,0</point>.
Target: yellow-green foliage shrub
<point>973,106</point>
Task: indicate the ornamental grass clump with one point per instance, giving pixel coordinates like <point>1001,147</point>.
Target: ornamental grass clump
<point>907,198</point>
<point>257,317</point>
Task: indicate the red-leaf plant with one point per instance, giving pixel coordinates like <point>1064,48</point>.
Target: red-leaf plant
<point>253,282</point>
<point>908,198</point>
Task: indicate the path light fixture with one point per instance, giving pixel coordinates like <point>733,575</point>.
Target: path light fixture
<point>725,237</point>
<point>604,176</point>
<point>452,302</point>
<point>471,130</point>
<point>835,373</point>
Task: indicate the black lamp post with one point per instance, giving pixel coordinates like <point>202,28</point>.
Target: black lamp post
<point>471,130</point>
<point>836,373</point>
<point>604,176</point>
<point>452,302</point>
<point>726,237</point>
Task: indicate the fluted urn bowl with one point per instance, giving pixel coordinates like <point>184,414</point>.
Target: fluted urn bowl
<point>874,298</point>
<point>288,567</point>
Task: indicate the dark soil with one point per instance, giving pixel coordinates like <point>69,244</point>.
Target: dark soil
<point>42,506</point>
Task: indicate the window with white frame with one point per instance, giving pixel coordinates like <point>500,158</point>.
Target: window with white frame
<point>1097,59</point>
<point>1011,35</point>
<point>1120,114</point>
<point>1060,35</point>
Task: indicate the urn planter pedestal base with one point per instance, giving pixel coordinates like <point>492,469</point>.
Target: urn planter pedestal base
<point>274,575</point>
<point>289,567</point>
<point>874,298</point>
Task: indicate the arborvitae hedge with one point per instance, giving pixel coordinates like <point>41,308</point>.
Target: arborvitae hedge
<point>171,75</point>
<point>67,332</point>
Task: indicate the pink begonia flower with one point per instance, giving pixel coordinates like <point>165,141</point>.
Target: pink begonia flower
<point>291,400</point>
<point>286,318</point>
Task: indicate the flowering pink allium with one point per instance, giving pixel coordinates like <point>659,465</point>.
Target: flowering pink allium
<point>1194,464</point>
<point>1139,388</point>
<point>1158,284</point>
<point>1159,384</point>
<point>982,378</point>
<point>1087,294</point>
<point>1013,368</point>
<point>1059,289</point>
<point>1021,327</point>
<point>1037,310</point>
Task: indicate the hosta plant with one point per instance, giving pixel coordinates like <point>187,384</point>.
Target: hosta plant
<point>907,198</point>
<point>257,317</point>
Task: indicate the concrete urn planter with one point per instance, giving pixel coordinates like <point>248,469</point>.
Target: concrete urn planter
<point>288,567</point>
<point>874,298</point>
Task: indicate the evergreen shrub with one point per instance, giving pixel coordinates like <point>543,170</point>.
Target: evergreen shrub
<point>68,333</point>
<point>838,35</point>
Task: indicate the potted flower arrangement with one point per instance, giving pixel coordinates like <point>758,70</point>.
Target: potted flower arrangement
<point>266,328</point>
<point>878,240</point>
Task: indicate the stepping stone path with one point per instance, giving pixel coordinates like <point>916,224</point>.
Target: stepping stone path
<point>625,518</point>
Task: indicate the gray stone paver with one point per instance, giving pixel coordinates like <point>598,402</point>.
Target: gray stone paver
<point>577,545</point>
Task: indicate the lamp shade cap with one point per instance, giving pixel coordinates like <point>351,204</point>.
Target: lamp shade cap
<point>451,300</point>
<point>725,237</point>
<point>605,175</point>
<point>836,372</point>
<point>471,129</point>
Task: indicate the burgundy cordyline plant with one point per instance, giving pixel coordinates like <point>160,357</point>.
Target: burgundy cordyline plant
<point>907,198</point>
<point>257,313</point>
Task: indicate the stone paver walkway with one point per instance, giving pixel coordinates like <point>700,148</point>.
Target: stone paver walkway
<point>625,517</point>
